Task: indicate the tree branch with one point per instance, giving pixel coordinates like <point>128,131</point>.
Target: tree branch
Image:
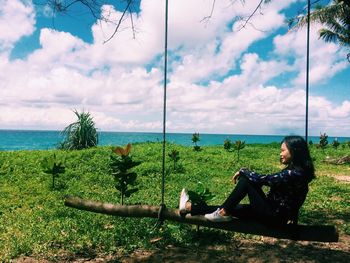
<point>119,22</point>
<point>322,233</point>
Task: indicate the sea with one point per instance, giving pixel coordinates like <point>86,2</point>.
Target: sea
<point>12,140</point>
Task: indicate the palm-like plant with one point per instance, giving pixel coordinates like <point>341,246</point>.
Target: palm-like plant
<point>81,134</point>
<point>335,18</point>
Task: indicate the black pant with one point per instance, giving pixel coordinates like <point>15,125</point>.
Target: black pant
<point>259,207</point>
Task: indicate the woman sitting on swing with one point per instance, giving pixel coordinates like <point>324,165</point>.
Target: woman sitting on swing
<point>288,190</point>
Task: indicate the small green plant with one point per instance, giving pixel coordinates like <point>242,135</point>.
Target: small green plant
<point>227,145</point>
<point>347,143</point>
<point>81,134</point>
<point>201,195</point>
<point>238,146</point>
<point>323,141</point>
<point>175,157</point>
<point>53,166</point>
<point>120,163</point>
<point>311,143</point>
<point>335,143</point>
<point>195,140</point>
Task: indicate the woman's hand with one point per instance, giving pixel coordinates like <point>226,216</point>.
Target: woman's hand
<point>235,177</point>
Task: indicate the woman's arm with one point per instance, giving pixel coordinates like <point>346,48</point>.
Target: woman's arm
<point>282,177</point>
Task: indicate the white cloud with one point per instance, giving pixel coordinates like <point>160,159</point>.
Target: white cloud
<point>216,84</point>
<point>326,60</point>
<point>16,20</point>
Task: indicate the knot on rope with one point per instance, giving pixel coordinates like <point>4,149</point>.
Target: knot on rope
<point>161,214</point>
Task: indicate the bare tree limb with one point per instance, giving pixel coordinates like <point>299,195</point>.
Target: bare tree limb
<point>207,18</point>
<point>94,7</point>
<point>119,22</point>
<point>258,7</point>
<point>321,233</point>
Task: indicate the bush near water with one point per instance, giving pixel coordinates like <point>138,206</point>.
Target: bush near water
<point>35,222</point>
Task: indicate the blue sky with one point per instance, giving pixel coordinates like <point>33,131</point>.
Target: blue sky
<point>221,79</point>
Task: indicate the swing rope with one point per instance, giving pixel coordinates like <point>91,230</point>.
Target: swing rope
<point>162,206</point>
<point>311,233</point>
<point>307,71</point>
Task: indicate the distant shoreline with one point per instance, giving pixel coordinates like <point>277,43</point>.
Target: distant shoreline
<point>49,139</point>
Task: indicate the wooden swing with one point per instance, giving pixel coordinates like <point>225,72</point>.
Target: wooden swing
<point>320,233</point>
<point>294,231</point>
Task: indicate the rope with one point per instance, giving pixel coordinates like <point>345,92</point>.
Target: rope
<point>162,206</point>
<point>307,71</point>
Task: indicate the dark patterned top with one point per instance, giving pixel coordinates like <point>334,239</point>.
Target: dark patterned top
<point>288,189</point>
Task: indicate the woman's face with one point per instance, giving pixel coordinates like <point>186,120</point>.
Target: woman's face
<point>285,155</point>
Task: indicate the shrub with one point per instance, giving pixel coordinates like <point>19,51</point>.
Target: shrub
<point>323,141</point>
<point>201,194</point>
<point>120,163</point>
<point>54,167</point>
<point>238,146</point>
<point>227,145</point>
<point>195,140</point>
<point>174,156</point>
<point>335,143</point>
<point>81,134</point>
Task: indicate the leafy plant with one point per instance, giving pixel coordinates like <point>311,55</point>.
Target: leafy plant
<point>335,143</point>
<point>323,141</point>
<point>201,194</point>
<point>120,163</point>
<point>174,156</point>
<point>227,145</point>
<point>81,134</point>
<point>334,18</point>
<point>238,146</point>
<point>195,140</point>
<point>53,166</point>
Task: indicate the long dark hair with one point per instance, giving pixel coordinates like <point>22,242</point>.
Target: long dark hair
<point>301,158</point>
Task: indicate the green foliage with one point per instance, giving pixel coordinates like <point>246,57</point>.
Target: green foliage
<point>174,155</point>
<point>227,144</point>
<point>195,140</point>
<point>53,166</point>
<point>238,146</point>
<point>335,143</point>
<point>34,221</point>
<point>335,19</point>
<point>201,194</point>
<point>81,134</point>
<point>120,163</point>
<point>323,141</point>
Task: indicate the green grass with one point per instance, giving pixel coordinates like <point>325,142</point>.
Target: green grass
<point>35,222</point>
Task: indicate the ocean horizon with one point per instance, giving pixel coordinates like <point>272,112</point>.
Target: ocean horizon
<point>11,140</point>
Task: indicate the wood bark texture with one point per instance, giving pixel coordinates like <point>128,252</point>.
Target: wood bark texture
<point>321,233</point>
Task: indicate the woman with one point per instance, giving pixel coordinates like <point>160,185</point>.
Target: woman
<point>288,190</point>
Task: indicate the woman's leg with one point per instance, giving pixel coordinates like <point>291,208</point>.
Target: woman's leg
<point>259,205</point>
<point>202,209</point>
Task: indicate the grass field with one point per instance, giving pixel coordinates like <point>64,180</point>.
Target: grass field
<point>34,221</point>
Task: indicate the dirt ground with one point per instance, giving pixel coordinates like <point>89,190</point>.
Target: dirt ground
<point>238,250</point>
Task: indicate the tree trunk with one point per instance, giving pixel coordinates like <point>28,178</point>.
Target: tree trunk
<point>321,233</point>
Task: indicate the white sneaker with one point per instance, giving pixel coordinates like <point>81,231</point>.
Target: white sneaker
<point>183,200</point>
<point>216,217</point>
